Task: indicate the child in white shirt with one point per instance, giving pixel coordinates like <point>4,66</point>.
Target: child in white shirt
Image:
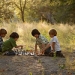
<point>54,43</point>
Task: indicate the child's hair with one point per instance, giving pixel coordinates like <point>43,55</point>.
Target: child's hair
<point>14,35</point>
<point>34,32</point>
<point>3,31</point>
<point>53,32</point>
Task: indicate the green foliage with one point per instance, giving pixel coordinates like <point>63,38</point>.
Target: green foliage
<point>54,54</point>
<point>6,10</point>
<point>63,10</point>
<point>61,66</point>
<point>32,10</point>
<point>39,60</point>
<point>30,73</point>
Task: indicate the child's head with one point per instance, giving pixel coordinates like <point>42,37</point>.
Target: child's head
<point>14,35</point>
<point>3,32</point>
<point>35,33</point>
<point>52,33</point>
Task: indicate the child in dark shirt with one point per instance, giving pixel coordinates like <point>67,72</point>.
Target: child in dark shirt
<point>3,32</point>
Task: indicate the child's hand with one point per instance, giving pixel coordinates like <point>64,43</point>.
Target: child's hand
<point>42,51</point>
<point>21,46</point>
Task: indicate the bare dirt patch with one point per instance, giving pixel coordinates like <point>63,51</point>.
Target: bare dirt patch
<point>30,65</point>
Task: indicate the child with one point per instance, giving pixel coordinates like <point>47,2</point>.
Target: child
<point>3,32</point>
<point>41,41</point>
<point>54,43</point>
<point>10,43</point>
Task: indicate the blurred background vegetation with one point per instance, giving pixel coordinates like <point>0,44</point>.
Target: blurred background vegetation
<point>53,11</point>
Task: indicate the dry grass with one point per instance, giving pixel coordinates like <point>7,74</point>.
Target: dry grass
<point>65,32</point>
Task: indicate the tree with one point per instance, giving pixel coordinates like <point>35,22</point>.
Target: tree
<point>6,10</point>
<point>32,10</point>
<point>21,6</point>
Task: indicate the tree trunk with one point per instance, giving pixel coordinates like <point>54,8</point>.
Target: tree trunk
<point>22,10</point>
<point>22,16</point>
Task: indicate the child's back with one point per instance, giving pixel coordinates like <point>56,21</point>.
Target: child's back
<point>1,41</point>
<point>8,45</point>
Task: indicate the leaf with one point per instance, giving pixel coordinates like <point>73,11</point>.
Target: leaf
<point>30,73</point>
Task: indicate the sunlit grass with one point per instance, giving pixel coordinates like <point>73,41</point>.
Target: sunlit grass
<point>65,32</point>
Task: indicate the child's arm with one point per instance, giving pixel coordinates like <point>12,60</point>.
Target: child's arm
<point>53,46</point>
<point>19,46</point>
<point>43,50</point>
<point>43,46</point>
<point>36,49</point>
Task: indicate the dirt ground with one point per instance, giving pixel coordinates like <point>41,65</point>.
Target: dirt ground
<point>31,65</point>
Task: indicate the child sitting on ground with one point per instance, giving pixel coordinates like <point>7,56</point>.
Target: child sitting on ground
<point>10,43</point>
<point>3,33</point>
<point>54,43</point>
<point>41,41</point>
